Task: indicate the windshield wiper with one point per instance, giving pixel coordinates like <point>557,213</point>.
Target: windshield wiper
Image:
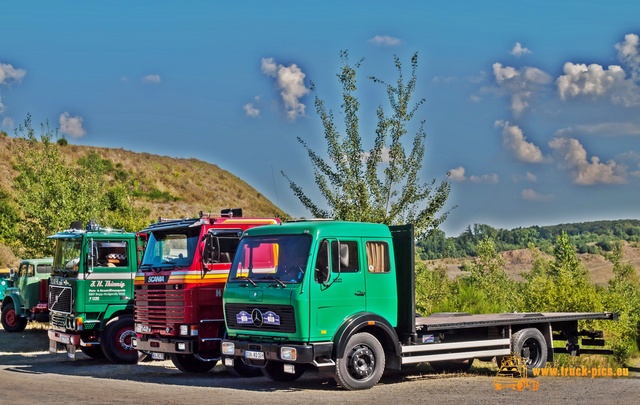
<point>246,278</point>
<point>276,279</point>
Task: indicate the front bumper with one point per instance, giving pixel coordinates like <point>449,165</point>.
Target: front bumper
<point>317,354</point>
<point>164,345</point>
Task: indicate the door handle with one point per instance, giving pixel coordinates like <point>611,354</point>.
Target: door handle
<point>359,293</point>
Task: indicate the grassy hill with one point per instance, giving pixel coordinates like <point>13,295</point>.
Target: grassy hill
<point>165,186</point>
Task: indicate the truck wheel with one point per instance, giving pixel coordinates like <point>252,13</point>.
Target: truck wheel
<point>362,364</point>
<point>530,345</point>
<point>116,340</point>
<point>12,322</point>
<point>189,363</point>
<point>274,371</point>
<point>95,352</point>
<point>451,366</point>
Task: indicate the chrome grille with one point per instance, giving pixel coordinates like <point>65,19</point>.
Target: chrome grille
<point>60,299</point>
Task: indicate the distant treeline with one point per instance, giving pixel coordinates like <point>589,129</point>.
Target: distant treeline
<point>587,237</point>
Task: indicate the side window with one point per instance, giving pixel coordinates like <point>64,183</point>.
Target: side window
<point>44,269</point>
<point>321,272</point>
<point>378,257</point>
<point>345,255</point>
<point>31,270</point>
<point>111,254</point>
<point>23,270</point>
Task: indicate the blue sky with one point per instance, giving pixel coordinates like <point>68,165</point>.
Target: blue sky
<point>532,107</point>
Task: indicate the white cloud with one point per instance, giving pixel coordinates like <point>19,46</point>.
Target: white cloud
<point>71,126</point>
<point>384,155</point>
<point>385,40</point>
<point>603,128</point>
<point>1,106</point>
<point>290,81</point>
<point>574,157</point>
<point>520,84</point>
<point>8,122</point>
<point>531,177</point>
<point>628,53</point>
<point>515,141</point>
<point>530,194</point>
<point>251,111</point>
<point>10,74</point>
<point>519,50</point>
<point>457,174</point>
<point>595,81</point>
<point>152,79</point>
<point>491,178</point>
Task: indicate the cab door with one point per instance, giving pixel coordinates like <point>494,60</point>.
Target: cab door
<point>337,287</point>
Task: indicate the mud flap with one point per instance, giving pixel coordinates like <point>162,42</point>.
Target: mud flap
<point>71,352</point>
<point>53,346</point>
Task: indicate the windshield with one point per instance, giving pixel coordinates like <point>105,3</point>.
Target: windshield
<point>271,258</point>
<point>171,248</point>
<point>67,256</point>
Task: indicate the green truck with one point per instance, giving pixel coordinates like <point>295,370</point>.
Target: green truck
<point>91,292</point>
<point>339,297</point>
<point>25,294</point>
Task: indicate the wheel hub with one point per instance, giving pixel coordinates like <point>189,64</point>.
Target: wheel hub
<point>125,339</point>
<point>362,362</point>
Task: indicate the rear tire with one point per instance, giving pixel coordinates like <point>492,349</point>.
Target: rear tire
<point>451,366</point>
<point>531,346</point>
<point>189,363</point>
<point>116,340</point>
<point>11,321</point>
<point>275,372</point>
<point>362,364</point>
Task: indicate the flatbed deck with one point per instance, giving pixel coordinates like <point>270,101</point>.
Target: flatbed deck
<point>448,320</point>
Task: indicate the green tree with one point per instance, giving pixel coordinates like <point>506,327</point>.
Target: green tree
<point>360,185</point>
<point>51,192</point>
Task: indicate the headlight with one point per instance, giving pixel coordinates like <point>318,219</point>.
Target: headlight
<point>184,330</point>
<point>182,346</point>
<point>288,353</point>
<point>228,348</point>
<point>138,327</point>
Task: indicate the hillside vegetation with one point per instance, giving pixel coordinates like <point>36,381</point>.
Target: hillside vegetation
<point>152,185</point>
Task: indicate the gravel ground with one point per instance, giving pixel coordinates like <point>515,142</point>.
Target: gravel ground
<point>35,376</point>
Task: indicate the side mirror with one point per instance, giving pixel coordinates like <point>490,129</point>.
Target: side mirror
<point>12,274</point>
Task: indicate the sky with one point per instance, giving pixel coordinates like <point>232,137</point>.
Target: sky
<point>532,108</point>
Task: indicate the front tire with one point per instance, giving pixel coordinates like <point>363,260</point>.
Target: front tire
<point>189,363</point>
<point>362,364</point>
<point>275,372</point>
<point>116,340</point>
<point>11,321</point>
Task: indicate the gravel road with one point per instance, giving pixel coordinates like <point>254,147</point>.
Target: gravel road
<point>39,377</point>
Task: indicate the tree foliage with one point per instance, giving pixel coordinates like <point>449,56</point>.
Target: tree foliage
<point>53,192</point>
<point>381,184</point>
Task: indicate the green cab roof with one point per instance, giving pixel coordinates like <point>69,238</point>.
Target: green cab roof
<point>323,228</point>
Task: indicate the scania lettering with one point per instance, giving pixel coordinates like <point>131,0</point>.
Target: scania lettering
<point>178,288</point>
<point>91,292</point>
<point>339,297</point>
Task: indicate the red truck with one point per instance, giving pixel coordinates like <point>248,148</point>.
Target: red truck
<point>178,288</point>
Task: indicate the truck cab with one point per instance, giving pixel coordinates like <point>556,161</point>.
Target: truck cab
<point>26,297</point>
<point>178,288</point>
<point>91,292</point>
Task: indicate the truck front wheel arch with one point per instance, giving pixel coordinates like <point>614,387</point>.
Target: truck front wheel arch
<point>372,324</point>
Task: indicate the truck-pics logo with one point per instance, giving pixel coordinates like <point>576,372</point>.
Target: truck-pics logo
<point>513,375</point>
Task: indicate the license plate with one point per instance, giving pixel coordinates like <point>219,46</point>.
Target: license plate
<point>157,356</point>
<point>254,355</point>
<point>64,339</point>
